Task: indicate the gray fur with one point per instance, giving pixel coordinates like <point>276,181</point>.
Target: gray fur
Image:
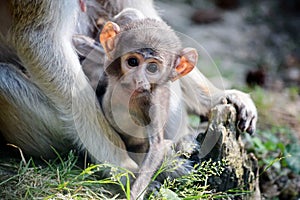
<point>53,103</point>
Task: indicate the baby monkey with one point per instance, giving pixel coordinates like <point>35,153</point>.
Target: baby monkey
<point>143,59</point>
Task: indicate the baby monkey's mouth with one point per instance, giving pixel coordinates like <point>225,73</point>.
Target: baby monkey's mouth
<point>141,93</point>
<point>143,90</point>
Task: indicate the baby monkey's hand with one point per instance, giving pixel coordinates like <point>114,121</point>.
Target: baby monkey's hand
<point>246,110</point>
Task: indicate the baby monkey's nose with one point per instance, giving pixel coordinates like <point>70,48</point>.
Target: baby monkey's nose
<point>141,86</point>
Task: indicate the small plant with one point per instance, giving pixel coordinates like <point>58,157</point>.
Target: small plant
<point>194,185</point>
<point>276,144</point>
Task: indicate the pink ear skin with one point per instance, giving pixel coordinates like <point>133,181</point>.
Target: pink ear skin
<point>186,63</point>
<point>82,4</point>
<point>107,36</point>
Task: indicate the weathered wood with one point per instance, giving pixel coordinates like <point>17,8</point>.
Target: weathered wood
<point>222,141</point>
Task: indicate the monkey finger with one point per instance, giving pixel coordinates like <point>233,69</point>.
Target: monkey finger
<point>244,120</point>
<point>224,100</point>
<point>252,127</point>
<point>247,121</point>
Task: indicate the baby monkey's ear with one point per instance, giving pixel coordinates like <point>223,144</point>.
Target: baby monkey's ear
<point>107,36</point>
<point>185,63</point>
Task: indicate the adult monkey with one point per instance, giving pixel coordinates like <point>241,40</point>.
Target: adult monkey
<point>41,109</point>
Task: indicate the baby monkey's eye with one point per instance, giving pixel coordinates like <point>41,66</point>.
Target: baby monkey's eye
<point>152,68</point>
<point>133,62</point>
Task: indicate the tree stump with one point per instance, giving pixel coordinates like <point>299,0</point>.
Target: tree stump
<point>222,141</point>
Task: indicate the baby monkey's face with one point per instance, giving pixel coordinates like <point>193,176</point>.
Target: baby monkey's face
<point>142,70</point>
<point>144,55</point>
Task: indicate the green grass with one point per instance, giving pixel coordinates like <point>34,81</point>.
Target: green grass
<point>62,179</point>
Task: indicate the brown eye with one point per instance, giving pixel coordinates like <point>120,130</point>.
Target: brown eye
<point>133,62</point>
<point>152,68</point>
